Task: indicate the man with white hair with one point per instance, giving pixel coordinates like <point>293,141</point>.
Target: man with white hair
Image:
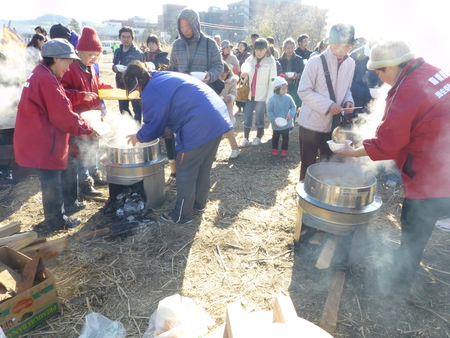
<point>415,132</point>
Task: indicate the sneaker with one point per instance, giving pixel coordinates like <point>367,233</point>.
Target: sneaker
<point>284,153</point>
<point>170,180</point>
<point>275,152</point>
<point>256,141</point>
<point>69,222</point>
<point>235,153</point>
<point>72,208</point>
<point>98,178</point>
<point>87,188</point>
<point>245,143</point>
<point>166,217</point>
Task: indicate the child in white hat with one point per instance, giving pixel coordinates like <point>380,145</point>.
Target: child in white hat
<point>281,111</point>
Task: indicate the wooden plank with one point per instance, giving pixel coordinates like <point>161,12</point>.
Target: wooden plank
<point>284,311</point>
<point>20,240</point>
<point>47,249</point>
<point>233,321</point>
<point>327,253</point>
<point>28,274</point>
<point>298,224</point>
<point>317,238</point>
<point>9,278</point>
<point>9,229</point>
<point>331,308</point>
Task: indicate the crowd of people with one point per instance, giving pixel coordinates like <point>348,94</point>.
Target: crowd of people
<point>318,89</point>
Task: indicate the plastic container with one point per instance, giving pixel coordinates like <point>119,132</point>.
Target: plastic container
<point>199,75</point>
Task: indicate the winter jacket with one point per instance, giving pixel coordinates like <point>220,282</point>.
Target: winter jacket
<point>264,85</point>
<point>124,58</point>
<point>79,81</point>
<point>362,80</point>
<point>233,62</point>
<point>313,90</point>
<point>161,57</point>
<point>281,106</point>
<point>44,122</point>
<point>297,66</point>
<point>185,105</point>
<point>200,51</point>
<point>305,54</point>
<point>415,130</point>
<point>230,90</point>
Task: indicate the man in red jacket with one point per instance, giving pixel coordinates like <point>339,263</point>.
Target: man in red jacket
<point>415,132</point>
<point>44,122</point>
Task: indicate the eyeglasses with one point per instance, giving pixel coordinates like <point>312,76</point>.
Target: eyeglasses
<point>93,56</point>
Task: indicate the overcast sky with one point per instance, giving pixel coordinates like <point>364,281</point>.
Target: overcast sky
<point>422,22</point>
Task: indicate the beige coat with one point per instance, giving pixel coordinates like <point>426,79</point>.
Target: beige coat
<point>233,62</point>
<point>230,90</point>
<point>314,93</point>
<point>264,84</point>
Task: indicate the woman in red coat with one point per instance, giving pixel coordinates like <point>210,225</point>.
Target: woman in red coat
<point>82,85</point>
<point>45,120</point>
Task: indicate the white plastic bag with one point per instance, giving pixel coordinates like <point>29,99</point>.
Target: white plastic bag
<point>178,317</point>
<point>98,326</point>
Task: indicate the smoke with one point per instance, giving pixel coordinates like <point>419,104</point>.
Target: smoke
<point>122,126</point>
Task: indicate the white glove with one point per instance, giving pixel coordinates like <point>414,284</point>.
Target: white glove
<point>375,93</point>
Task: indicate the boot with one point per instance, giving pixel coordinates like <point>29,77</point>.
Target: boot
<point>98,178</point>
<point>87,188</point>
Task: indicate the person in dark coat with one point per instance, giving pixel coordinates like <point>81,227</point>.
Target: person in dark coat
<point>365,81</point>
<point>291,62</point>
<point>155,54</point>
<point>302,50</point>
<point>123,55</point>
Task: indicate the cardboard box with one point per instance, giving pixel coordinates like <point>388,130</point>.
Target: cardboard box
<point>30,308</point>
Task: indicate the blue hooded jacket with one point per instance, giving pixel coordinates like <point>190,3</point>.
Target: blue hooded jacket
<point>185,105</point>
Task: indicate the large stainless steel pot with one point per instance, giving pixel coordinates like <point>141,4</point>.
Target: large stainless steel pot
<point>340,185</point>
<point>121,155</point>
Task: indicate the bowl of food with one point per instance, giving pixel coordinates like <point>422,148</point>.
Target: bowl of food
<point>337,146</point>
<point>281,122</point>
<point>121,68</point>
<point>150,65</point>
<point>199,75</point>
<point>289,74</point>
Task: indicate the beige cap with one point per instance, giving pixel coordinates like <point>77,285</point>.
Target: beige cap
<point>389,53</point>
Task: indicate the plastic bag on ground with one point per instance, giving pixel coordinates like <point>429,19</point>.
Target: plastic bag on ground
<point>98,326</point>
<point>178,317</point>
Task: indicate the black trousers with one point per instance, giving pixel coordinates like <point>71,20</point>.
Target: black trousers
<point>136,104</point>
<point>310,143</point>
<point>276,138</point>
<point>418,219</point>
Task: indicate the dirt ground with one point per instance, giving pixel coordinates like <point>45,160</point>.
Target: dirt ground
<point>240,248</point>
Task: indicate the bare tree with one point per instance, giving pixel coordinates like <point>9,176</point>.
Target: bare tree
<point>284,20</point>
<point>74,25</point>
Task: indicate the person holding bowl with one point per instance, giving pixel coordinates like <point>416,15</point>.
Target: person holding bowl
<point>415,132</point>
<point>196,115</point>
<point>45,120</point>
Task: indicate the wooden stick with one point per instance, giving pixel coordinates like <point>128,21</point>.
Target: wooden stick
<point>9,229</point>
<point>20,240</point>
<point>47,249</point>
<point>28,274</point>
<point>9,278</point>
<point>284,311</point>
<point>331,308</point>
<point>327,253</point>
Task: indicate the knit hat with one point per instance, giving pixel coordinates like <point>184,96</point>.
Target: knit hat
<point>89,41</point>
<point>341,33</point>
<point>389,53</point>
<point>59,48</point>
<point>225,43</point>
<point>279,81</point>
<point>59,31</point>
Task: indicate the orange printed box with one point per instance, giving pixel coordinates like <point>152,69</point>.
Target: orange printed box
<point>24,311</point>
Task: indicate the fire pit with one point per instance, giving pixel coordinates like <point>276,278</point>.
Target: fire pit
<point>336,198</point>
<point>127,165</point>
